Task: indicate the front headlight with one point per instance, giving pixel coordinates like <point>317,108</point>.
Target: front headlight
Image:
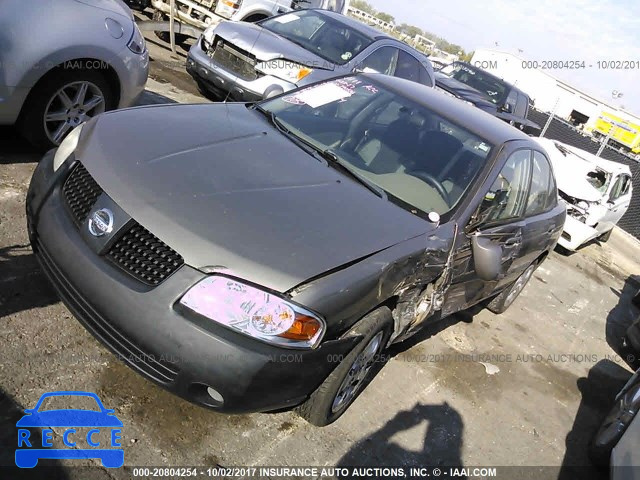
<point>254,312</point>
<point>207,38</point>
<point>137,44</point>
<point>67,147</point>
<point>284,69</point>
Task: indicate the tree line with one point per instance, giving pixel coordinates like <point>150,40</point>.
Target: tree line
<point>409,30</point>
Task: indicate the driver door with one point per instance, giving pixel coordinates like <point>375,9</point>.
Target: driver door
<point>499,219</point>
<point>618,203</point>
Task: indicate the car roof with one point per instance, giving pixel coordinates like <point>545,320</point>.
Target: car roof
<point>495,77</point>
<point>472,118</point>
<point>357,25</point>
<point>606,165</point>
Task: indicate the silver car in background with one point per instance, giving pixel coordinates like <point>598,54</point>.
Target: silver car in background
<point>251,61</point>
<point>64,61</point>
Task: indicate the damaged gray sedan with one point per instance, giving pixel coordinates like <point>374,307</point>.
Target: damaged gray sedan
<point>261,257</point>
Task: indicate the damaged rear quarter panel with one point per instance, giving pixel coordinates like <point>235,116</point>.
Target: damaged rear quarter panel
<point>345,296</point>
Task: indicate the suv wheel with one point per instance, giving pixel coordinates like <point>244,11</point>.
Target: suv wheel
<point>346,382</point>
<point>64,100</point>
<point>503,301</point>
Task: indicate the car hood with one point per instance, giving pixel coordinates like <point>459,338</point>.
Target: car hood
<point>69,418</point>
<point>113,6</point>
<point>571,173</point>
<point>463,91</point>
<point>223,188</point>
<point>266,45</point>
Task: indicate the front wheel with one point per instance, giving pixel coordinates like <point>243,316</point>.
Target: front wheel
<point>62,101</point>
<point>503,301</point>
<point>346,382</point>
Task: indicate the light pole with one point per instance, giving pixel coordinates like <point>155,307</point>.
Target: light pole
<point>614,125</point>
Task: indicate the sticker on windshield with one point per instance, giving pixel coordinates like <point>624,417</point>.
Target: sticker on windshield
<point>323,94</point>
<point>290,17</point>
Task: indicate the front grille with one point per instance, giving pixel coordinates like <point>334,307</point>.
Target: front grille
<point>143,255</point>
<point>138,251</point>
<point>233,59</point>
<point>81,192</point>
<point>155,367</point>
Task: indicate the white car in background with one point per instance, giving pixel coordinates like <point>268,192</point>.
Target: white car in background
<point>597,192</point>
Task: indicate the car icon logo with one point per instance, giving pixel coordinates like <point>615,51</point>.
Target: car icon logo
<point>99,429</point>
<point>101,222</point>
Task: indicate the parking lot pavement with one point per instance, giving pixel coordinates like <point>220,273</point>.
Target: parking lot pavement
<point>528,387</point>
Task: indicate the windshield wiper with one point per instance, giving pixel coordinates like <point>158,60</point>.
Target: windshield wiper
<point>335,162</point>
<point>326,156</point>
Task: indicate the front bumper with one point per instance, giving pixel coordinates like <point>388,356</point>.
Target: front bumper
<point>576,233</point>
<point>214,77</point>
<point>143,327</point>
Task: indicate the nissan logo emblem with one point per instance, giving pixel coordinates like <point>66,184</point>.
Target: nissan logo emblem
<point>101,222</point>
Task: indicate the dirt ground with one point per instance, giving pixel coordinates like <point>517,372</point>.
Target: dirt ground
<point>528,387</point>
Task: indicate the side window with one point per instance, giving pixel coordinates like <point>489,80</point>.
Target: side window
<point>507,196</point>
<point>383,60</point>
<point>425,78</point>
<point>511,100</point>
<point>552,201</point>
<point>521,106</point>
<point>539,192</point>
<point>408,67</point>
<point>621,187</point>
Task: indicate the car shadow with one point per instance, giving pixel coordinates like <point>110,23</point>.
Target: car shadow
<point>622,315</point>
<point>152,98</point>
<point>598,389</point>
<point>10,413</point>
<point>23,286</point>
<point>15,148</point>
<point>441,446</point>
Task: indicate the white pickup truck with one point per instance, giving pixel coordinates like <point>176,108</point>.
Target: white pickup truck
<point>206,13</point>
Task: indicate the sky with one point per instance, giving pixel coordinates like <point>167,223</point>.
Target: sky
<point>589,30</point>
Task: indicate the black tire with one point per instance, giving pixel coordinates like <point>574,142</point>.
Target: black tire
<point>318,410</point>
<point>505,299</point>
<point>31,121</point>
<point>608,436</point>
<point>158,16</point>
<point>605,236</point>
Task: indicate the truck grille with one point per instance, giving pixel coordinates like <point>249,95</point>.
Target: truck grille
<point>143,255</point>
<point>81,192</point>
<point>138,252</point>
<point>233,59</point>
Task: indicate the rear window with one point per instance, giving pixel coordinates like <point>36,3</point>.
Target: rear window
<point>320,34</point>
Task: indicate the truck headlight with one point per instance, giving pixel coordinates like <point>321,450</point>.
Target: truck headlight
<point>67,147</point>
<point>284,69</point>
<point>226,8</point>
<point>254,312</point>
<point>137,44</point>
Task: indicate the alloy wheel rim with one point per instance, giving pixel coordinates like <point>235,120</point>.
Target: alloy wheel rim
<point>357,374</point>
<point>519,285</point>
<point>70,106</point>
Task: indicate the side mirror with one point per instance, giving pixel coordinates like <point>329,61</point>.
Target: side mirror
<point>487,257</point>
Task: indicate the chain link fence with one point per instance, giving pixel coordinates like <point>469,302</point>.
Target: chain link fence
<point>567,133</point>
